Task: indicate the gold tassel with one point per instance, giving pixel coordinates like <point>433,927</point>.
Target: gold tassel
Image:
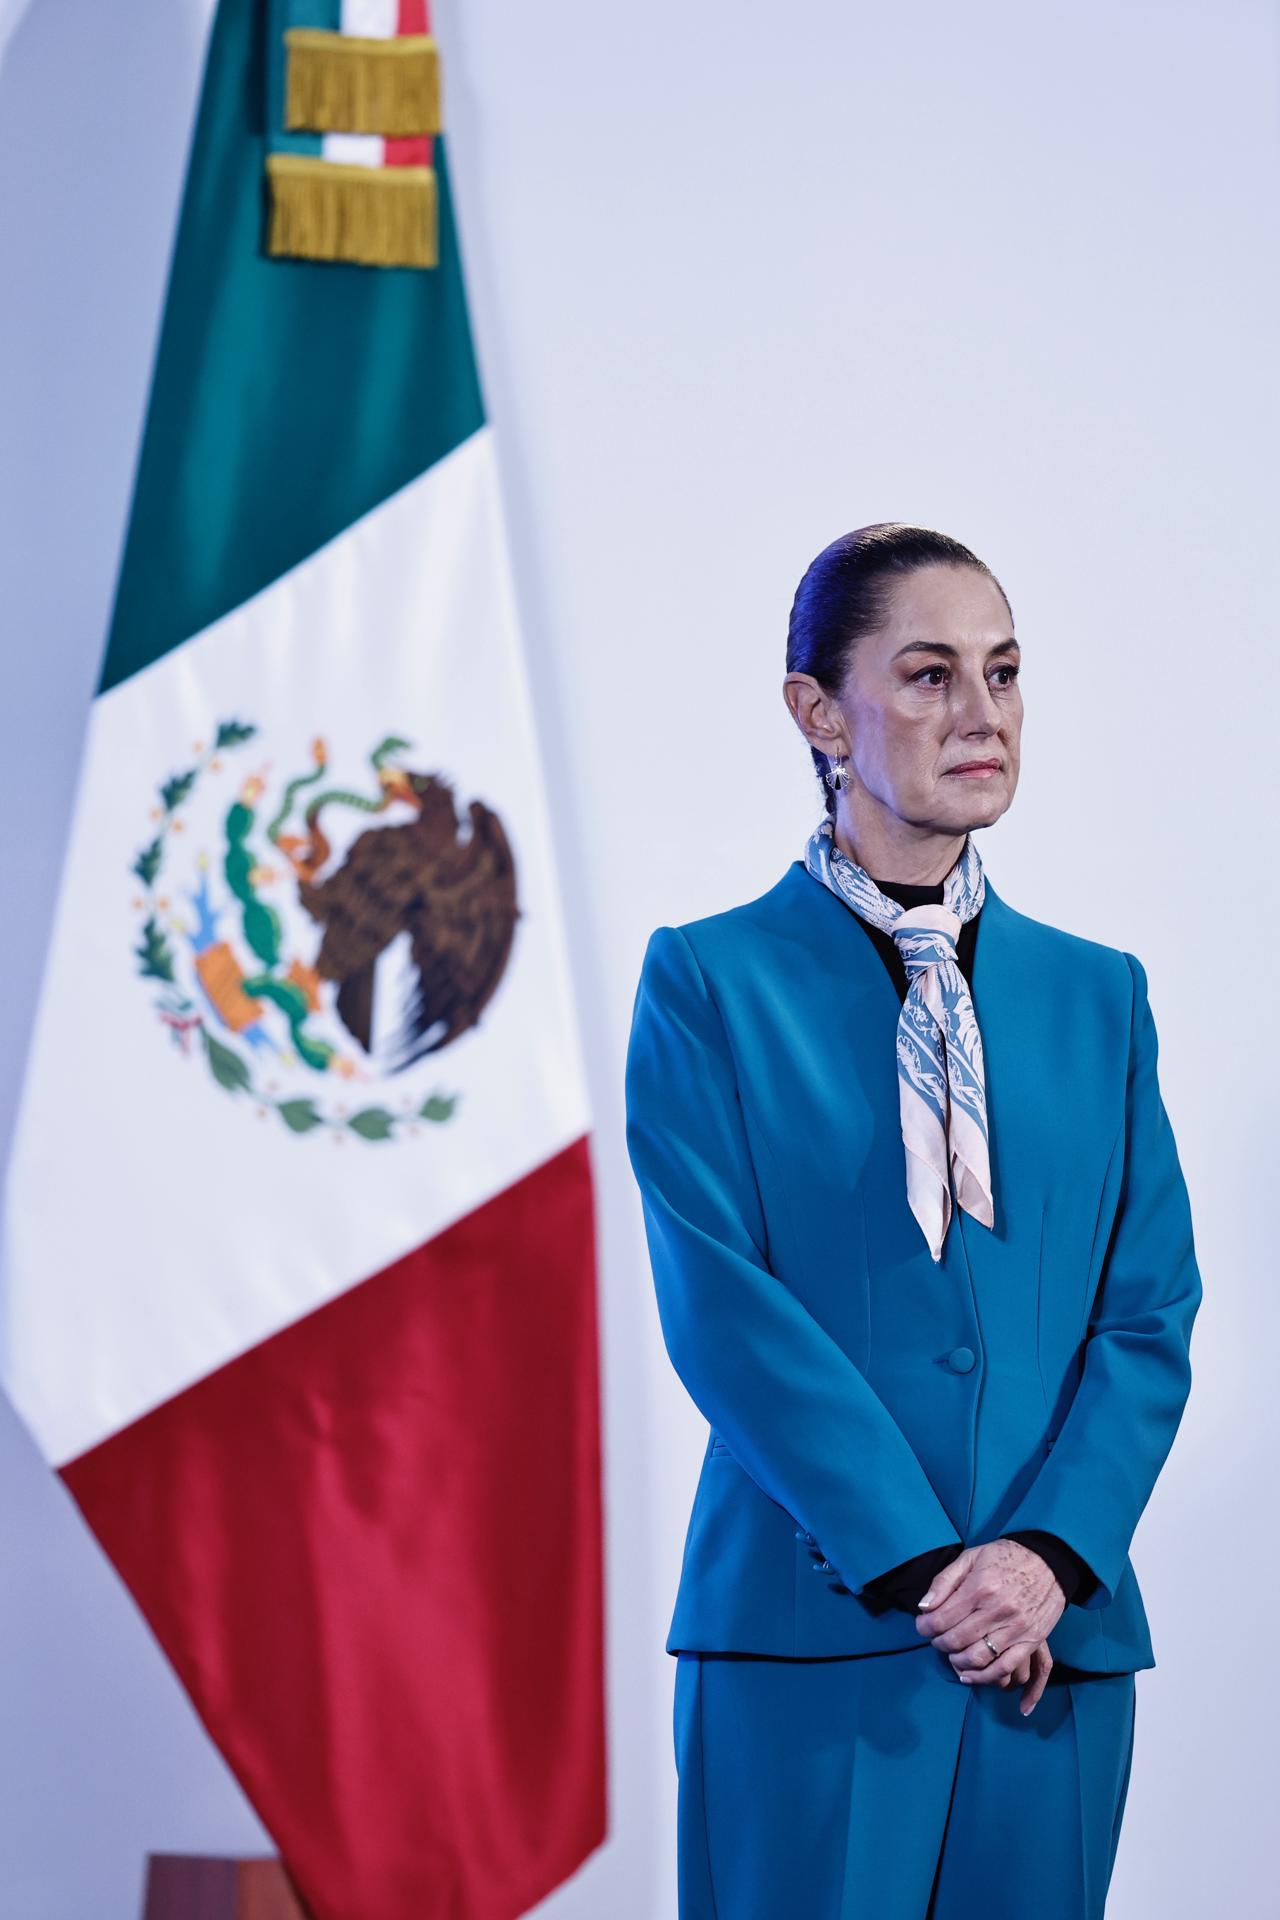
<point>373,216</point>
<point>340,83</point>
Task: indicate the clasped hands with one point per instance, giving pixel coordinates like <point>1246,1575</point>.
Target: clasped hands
<point>1003,1589</point>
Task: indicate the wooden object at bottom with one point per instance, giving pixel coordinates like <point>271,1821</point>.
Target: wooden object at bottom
<point>188,1886</point>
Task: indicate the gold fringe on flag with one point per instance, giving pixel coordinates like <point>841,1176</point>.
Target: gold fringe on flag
<point>372,216</point>
<point>340,83</point>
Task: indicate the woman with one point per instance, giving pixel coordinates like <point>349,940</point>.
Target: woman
<point>924,1260</point>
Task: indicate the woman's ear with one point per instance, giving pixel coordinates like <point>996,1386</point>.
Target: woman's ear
<point>815,714</point>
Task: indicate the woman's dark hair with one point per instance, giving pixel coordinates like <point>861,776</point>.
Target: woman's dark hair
<point>845,594</point>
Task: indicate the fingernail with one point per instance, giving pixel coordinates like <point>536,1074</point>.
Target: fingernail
<point>928,1599</point>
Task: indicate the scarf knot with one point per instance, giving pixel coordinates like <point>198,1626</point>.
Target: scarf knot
<point>926,937</point>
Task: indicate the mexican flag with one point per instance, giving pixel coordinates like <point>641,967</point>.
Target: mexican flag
<point>298,1258</point>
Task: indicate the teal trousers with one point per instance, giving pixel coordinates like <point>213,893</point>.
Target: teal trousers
<point>880,1787</point>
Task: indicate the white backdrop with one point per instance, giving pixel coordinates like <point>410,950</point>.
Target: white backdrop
<point>742,279</point>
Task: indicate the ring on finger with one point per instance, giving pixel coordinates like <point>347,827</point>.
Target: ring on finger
<point>995,1651</point>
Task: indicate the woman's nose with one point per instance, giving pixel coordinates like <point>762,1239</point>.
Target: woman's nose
<point>976,707</point>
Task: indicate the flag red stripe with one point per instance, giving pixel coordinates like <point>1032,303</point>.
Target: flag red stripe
<point>407,150</point>
<point>411,151</point>
<point>371,1548</point>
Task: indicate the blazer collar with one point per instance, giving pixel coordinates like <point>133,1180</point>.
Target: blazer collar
<point>998,953</point>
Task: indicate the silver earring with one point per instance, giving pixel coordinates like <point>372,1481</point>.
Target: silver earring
<point>837,774</point>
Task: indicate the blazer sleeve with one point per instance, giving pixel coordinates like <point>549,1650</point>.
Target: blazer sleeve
<point>1136,1377</point>
<point>793,1409</point>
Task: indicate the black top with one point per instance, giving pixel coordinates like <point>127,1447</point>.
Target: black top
<point>904,1586</point>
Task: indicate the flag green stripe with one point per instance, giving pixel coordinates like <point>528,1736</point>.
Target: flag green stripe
<point>289,397</point>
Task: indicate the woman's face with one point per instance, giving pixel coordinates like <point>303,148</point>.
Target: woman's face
<point>932,692</point>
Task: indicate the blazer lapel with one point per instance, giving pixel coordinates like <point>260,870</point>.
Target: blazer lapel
<point>1014,1005</point>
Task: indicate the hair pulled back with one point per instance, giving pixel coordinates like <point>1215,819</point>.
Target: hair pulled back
<point>845,593</point>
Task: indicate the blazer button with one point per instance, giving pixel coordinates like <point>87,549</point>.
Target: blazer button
<point>960,1359</point>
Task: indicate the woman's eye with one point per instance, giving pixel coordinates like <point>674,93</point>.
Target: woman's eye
<point>923,677</point>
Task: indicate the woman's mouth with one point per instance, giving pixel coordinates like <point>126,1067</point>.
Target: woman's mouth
<point>976,769</point>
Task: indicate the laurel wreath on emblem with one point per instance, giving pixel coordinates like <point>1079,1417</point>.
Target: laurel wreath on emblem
<point>253,1008</point>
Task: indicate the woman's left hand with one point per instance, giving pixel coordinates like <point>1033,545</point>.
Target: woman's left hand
<point>1002,1589</point>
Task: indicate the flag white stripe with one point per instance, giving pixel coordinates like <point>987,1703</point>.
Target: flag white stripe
<point>370,19</point>
<point>354,149</point>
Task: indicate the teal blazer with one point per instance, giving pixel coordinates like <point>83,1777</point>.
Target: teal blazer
<point>1035,1377</point>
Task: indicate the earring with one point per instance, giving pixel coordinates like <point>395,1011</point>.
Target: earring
<point>837,774</point>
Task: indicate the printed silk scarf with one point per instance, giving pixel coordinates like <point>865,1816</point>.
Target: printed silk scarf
<point>941,1082</point>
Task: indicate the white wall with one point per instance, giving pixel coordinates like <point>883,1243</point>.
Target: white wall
<point>744,278</point>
